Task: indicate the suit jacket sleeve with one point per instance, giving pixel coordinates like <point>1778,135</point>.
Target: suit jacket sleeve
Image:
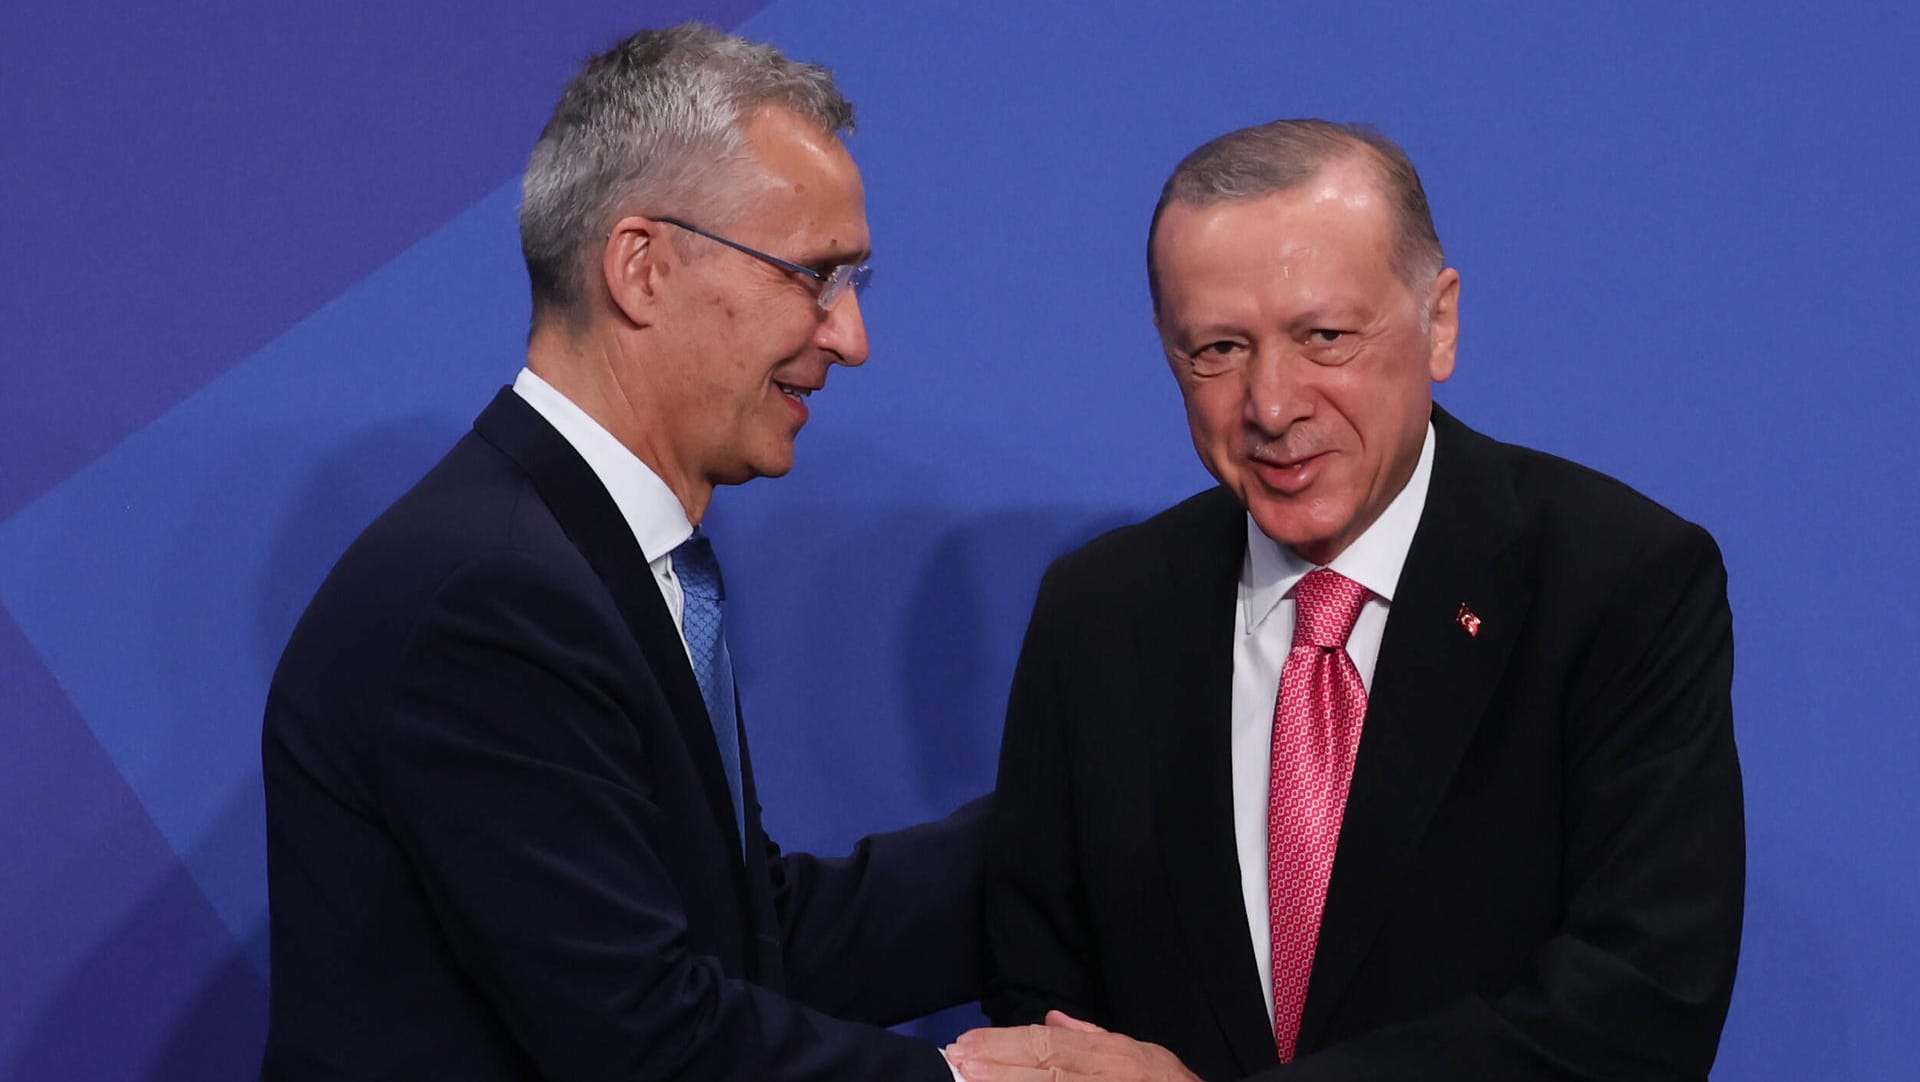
<point>1636,982</point>
<point>1038,921</point>
<point>893,930</point>
<point>518,785</point>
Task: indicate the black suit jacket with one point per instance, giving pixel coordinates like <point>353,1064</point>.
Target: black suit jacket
<point>1540,871</point>
<point>500,842</point>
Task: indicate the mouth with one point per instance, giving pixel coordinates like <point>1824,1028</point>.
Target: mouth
<point>1289,475</point>
<point>796,396</point>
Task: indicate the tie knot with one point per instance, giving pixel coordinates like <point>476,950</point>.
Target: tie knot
<point>698,569</point>
<point>1326,603</point>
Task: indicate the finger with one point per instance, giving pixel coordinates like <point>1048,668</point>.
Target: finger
<point>1007,1044</point>
<point>1063,1020</point>
<point>1072,1051</point>
<point>1001,1072</point>
<point>996,1060</point>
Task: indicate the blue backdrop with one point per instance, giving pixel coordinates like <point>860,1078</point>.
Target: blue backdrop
<point>260,268</point>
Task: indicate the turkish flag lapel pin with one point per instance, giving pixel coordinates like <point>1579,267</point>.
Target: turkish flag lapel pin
<point>1466,619</point>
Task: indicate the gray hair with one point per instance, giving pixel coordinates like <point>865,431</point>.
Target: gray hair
<point>1281,155</point>
<point>654,122</point>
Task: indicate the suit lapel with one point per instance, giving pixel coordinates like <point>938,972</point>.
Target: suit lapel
<point>766,965</point>
<point>1187,655</point>
<point>591,520</point>
<point>1459,605</point>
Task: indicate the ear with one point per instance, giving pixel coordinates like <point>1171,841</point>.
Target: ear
<point>1443,326</point>
<point>634,265</point>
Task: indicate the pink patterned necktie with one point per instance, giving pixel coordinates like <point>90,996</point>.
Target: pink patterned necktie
<point>1316,733</point>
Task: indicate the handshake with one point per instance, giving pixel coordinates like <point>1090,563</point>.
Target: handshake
<point>1063,1050</point>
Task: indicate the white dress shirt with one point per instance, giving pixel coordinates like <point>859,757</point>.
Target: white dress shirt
<point>1262,637</point>
<point>654,514</point>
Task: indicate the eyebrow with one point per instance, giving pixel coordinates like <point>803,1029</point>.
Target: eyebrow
<point>1188,339</point>
<point>839,257</point>
<point>1343,312</point>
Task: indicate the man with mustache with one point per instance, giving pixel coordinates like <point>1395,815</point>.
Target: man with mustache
<point>511,825</point>
<point>1401,754</point>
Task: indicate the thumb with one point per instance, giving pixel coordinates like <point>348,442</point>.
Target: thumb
<point>1063,1020</point>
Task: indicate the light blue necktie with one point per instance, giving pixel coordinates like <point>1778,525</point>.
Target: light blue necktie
<point>700,583</point>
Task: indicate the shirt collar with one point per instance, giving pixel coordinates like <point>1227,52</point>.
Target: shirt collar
<point>1374,560</point>
<point>654,514</point>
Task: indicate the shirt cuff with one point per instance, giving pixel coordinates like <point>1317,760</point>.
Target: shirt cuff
<point>957,1077</point>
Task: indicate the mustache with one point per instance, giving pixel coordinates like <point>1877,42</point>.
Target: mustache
<point>1295,446</point>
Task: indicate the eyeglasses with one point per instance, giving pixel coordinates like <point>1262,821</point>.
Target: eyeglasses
<point>835,284</point>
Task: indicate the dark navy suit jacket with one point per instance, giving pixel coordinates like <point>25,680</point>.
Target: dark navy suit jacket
<point>500,842</point>
<point>1541,866</point>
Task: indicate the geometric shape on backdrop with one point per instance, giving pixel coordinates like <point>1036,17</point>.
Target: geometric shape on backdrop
<point>103,926</point>
<point>183,183</point>
<point>160,583</point>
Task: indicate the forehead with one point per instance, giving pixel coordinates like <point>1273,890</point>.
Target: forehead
<point>808,185</point>
<point>1327,241</point>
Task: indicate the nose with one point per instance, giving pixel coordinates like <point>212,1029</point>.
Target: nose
<point>1277,396</point>
<point>843,331</point>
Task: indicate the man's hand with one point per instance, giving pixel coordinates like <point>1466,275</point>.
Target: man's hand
<point>1062,1050</point>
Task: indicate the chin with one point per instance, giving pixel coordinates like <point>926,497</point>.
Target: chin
<point>769,456</point>
<point>1306,535</point>
<point>774,465</point>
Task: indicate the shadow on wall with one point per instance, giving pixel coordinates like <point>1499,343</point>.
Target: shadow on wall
<point>339,498</point>
<point>875,648</point>
<point>967,614</point>
<point>100,1025</point>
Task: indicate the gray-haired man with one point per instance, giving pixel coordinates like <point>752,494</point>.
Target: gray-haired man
<point>511,819</point>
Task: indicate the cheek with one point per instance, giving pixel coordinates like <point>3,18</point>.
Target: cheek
<point>1214,411</point>
<point>1368,400</point>
<point>1215,428</point>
